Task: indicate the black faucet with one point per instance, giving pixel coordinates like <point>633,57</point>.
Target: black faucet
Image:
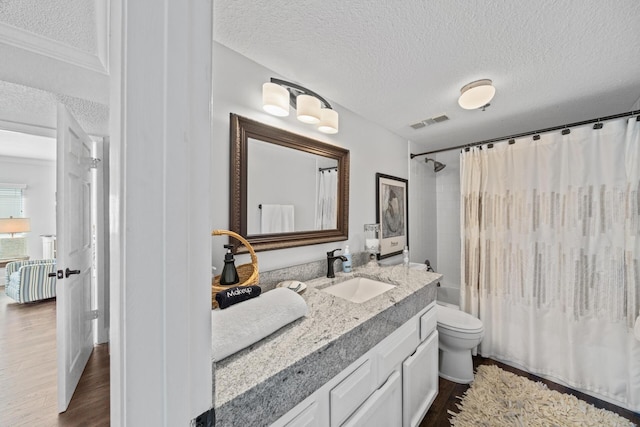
<point>330,259</point>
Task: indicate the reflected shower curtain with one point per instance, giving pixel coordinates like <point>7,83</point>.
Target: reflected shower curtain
<point>551,255</point>
<point>326,213</point>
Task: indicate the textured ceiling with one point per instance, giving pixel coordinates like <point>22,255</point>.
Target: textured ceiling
<point>72,22</point>
<point>397,63</point>
<point>27,108</point>
<point>36,107</point>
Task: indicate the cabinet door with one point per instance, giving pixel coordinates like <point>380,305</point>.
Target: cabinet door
<point>383,408</point>
<point>420,381</point>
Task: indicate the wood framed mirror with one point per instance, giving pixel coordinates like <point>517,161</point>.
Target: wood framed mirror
<point>287,190</point>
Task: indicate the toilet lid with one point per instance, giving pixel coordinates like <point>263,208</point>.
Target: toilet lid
<point>457,319</point>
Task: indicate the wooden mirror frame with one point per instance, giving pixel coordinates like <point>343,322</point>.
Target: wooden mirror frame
<point>241,130</point>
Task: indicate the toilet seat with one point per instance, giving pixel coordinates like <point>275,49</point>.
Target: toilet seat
<point>457,321</point>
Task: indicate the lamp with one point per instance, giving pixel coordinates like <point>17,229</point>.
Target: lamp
<point>476,94</point>
<point>311,107</point>
<point>14,225</point>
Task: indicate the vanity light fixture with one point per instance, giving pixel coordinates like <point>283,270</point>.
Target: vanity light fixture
<point>311,108</point>
<point>275,99</point>
<point>328,121</point>
<point>308,109</point>
<point>476,94</point>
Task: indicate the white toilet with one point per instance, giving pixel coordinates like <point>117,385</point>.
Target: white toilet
<point>458,334</point>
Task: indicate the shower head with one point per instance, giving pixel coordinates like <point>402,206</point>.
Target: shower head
<point>437,166</point>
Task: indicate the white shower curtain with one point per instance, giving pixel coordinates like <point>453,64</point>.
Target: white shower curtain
<point>326,213</point>
<point>551,255</point>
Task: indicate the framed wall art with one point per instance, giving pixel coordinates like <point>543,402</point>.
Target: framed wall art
<point>392,213</point>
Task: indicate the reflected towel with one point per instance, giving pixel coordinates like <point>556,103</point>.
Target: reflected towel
<point>636,329</point>
<point>277,219</point>
<point>243,324</point>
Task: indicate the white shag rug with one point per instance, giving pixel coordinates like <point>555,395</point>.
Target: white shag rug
<point>499,398</point>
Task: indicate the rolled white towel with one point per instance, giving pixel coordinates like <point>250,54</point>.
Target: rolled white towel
<point>245,323</point>
<point>636,329</point>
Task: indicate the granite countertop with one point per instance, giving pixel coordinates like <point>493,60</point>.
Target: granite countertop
<point>261,383</point>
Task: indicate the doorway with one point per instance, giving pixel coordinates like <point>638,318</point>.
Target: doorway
<point>28,336</point>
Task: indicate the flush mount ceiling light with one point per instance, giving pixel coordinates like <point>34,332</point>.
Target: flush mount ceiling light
<point>311,108</point>
<point>476,94</point>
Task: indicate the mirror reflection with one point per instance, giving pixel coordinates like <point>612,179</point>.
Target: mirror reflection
<point>286,189</point>
<point>289,190</point>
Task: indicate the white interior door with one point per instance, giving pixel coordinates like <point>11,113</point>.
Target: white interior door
<point>73,228</point>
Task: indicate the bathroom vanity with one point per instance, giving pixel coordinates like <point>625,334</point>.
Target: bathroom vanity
<point>345,363</point>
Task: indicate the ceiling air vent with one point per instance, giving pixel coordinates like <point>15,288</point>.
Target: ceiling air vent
<point>430,121</point>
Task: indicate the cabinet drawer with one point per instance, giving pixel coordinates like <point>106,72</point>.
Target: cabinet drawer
<point>308,417</point>
<point>351,392</point>
<point>396,347</point>
<point>428,323</point>
<point>383,408</point>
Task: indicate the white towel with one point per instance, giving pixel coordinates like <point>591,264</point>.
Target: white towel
<point>245,323</point>
<point>277,219</point>
<point>636,329</point>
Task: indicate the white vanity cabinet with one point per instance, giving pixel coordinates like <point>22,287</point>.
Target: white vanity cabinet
<point>352,391</point>
<point>419,384</point>
<point>383,408</point>
<point>307,416</point>
<point>393,384</point>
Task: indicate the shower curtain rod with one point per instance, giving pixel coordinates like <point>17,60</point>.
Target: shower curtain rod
<point>520,135</point>
<point>327,169</point>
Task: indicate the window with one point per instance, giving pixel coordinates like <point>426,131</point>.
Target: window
<point>11,200</point>
<point>12,205</point>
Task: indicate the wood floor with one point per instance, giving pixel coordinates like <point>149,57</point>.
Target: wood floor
<point>28,376</point>
<point>449,393</point>
<point>28,371</point>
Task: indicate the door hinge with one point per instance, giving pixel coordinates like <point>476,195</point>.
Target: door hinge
<point>93,163</point>
<point>95,314</point>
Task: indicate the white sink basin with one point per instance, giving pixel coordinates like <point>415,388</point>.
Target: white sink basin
<point>358,289</point>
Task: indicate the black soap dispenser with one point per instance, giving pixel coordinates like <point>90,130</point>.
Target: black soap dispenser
<point>229,273</point>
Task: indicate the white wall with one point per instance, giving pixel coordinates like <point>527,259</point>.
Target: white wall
<point>435,214</point>
<point>237,88</point>
<point>423,216</point>
<point>39,196</point>
<point>448,211</point>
